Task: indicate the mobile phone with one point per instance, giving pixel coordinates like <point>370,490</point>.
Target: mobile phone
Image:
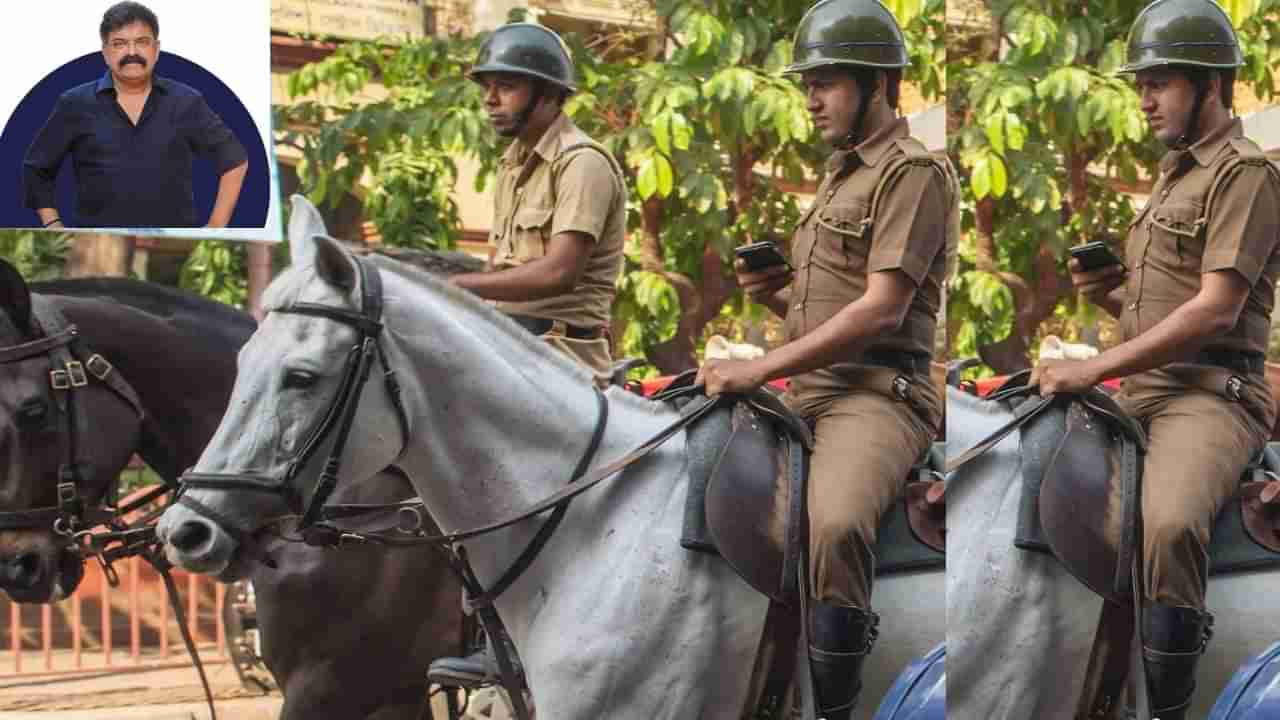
<point>760,256</point>
<point>1094,256</point>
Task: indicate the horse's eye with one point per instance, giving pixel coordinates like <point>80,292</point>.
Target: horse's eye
<point>299,379</point>
<point>31,414</point>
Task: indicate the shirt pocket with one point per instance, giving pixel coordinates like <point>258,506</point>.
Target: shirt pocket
<point>844,234</point>
<point>529,233</point>
<point>1177,233</point>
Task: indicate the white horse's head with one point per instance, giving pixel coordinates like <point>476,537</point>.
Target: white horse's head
<point>290,376</point>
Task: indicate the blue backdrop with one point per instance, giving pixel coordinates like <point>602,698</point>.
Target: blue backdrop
<point>32,113</point>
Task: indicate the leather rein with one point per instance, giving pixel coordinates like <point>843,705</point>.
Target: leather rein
<point>73,518</point>
<point>315,527</point>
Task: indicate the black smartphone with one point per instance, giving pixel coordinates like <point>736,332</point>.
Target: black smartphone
<point>760,256</point>
<point>1094,256</point>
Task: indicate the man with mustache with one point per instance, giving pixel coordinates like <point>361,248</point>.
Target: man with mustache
<point>132,137</point>
<point>861,311</point>
<point>1195,304</point>
<point>558,224</point>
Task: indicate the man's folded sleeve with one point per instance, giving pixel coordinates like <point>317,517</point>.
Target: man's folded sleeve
<point>44,157</point>
<point>212,139</point>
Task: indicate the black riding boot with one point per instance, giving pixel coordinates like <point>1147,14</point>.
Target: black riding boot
<point>1174,638</point>
<point>840,638</point>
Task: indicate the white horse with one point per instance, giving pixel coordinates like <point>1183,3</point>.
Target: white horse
<point>614,619</point>
<point>1019,627</point>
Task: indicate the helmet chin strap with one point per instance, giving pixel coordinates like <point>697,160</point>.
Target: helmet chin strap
<point>851,140</point>
<point>523,117</point>
<point>1193,121</point>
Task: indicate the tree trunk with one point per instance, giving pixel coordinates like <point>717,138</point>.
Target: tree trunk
<point>99,255</point>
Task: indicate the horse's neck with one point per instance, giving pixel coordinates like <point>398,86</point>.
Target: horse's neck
<point>183,381</point>
<point>498,424</point>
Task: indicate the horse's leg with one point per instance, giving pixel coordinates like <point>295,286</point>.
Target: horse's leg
<point>345,630</point>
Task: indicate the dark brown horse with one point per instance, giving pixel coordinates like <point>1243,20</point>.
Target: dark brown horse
<point>347,633</point>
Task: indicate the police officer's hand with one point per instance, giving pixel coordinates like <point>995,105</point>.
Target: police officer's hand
<point>1096,284</point>
<point>762,285</point>
<point>1055,376</point>
<point>740,376</point>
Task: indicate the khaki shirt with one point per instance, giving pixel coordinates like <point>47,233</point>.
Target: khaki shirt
<point>1175,238</point>
<point>541,194</point>
<point>838,243</point>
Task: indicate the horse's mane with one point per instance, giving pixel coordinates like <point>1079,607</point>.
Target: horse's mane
<point>288,288</point>
<point>198,315</point>
<point>472,304</point>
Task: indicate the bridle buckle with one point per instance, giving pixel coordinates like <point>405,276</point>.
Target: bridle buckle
<point>98,366</point>
<point>59,380</point>
<point>76,374</point>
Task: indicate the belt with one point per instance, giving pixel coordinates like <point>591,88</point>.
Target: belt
<point>911,362</point>
<point>542,326</point>
<point>1241,361</point>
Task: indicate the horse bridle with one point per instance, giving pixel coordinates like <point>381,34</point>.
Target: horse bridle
<point>62,344</point>
<point>339,417</point>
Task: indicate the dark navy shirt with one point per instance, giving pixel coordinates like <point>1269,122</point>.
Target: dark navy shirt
<point>129,175</point>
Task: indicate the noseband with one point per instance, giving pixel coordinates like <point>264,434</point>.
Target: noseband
<point>63,346</point>
<point>337,420</point>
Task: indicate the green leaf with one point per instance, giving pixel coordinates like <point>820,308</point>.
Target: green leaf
<point>1240,10</point>
<point>666,175</point>
<point>995,132</point>
<point>647,178</point>
<point>980,178</point>
<point>905,11</point>
<point>1015,131</point>
<point>735,45</point>
<point>681,131</point>
<point>661,128</point>
<point>999,179</point>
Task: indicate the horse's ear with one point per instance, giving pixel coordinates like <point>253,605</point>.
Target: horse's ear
<point>305,223</point>
<point>15,297</point>
<point>334,264</point>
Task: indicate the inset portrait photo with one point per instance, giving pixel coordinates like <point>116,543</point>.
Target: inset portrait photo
<point>139,116</point>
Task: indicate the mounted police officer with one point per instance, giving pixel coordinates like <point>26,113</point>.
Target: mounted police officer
<point>1195,304</point>
<point>560,204</point>
<point>558,224</point>
<point>861,312</point>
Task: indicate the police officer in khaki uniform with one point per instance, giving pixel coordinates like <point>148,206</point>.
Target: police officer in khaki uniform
<point>1194,304</point>
<point>861,313</point>
<point>558,224</point>
<point>560,204</point>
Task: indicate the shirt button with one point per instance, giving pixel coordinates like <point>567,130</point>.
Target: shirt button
<point>800,306</point>
<point>1133,306</point>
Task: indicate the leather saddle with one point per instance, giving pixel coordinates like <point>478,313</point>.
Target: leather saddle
<point>1082,475</point>
<point>748,473</point>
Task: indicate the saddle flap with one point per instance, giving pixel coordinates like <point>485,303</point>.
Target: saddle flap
<point>1260,513</point>
<point>754,503</point>
<point>1089,501</point>
<point>926,513</point>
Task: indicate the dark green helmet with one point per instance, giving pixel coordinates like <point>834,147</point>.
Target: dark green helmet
<point>848,32</point>
<point>526,49</point>
<point>1182,32</point>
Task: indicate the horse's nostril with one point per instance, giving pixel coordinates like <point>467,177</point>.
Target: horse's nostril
<point>190,535</point>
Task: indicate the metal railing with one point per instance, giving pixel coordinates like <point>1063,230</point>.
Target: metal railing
<point>105,628</point>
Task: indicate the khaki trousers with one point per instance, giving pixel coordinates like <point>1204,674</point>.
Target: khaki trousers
<point>867,441</point>
<point>1199,442</point>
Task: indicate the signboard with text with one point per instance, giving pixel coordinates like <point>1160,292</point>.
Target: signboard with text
<point>352,19</point>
